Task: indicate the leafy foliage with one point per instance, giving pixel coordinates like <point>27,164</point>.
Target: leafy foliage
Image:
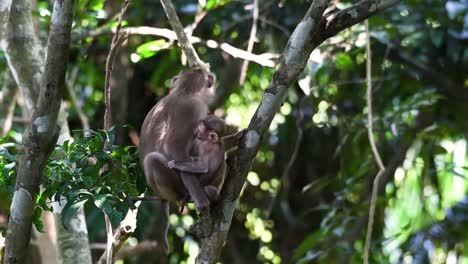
<point>82,172</point>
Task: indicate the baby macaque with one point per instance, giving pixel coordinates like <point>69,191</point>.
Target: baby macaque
<point>208,155</point>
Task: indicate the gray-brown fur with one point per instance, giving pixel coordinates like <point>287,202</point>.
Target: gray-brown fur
<point>167,134</point>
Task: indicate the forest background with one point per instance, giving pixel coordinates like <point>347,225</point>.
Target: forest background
<point>307,194</point>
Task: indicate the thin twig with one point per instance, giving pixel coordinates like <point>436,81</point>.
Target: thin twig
<point>375,152</point>
<point>187,48</point>
<point>250,45</point>
<point>117,41</point>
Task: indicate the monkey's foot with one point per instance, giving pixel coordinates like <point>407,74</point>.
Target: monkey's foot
<point>203,228</point>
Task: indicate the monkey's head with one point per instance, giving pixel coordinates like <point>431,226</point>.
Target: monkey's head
<point>195,81</point>
<point>211,128</point>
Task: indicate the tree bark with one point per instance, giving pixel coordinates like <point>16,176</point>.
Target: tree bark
<point>25,55</point>
<point>25,59</point>
<point>42,133</point>
<point>7,105</point>
<point>5,6</point>
<point>309,33</point>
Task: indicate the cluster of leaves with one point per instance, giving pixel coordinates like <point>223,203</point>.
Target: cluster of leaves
<point>7,165</point>
<point>83,172</point>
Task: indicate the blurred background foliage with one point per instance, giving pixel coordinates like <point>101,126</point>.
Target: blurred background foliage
<point>307,196</point>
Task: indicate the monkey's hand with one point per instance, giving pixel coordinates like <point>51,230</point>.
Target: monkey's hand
<point>232,141</point>
<point>191,166</point>
<point>171,164</point>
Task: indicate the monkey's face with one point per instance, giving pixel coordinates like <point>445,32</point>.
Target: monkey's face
<point>207,134</point>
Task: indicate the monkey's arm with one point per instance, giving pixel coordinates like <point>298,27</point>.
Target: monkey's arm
<point>192,166</point>
<point>232,141</point>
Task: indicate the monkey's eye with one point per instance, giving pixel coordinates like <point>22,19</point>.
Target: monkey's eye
<point>209,80</point>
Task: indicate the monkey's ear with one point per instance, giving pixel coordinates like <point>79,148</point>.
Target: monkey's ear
<point>213,137</point>
<point>175,79</point>
<point>209,80</point>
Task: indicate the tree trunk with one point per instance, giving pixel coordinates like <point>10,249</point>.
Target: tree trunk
<point>25,59</point>
<point>42,133</point>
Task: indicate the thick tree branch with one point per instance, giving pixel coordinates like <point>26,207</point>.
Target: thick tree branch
<point>354,14</point>
<point>40,137</point>
<point>293,61</point>
<point>310,32</point>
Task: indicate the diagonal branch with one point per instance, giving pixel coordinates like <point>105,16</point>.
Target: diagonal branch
<point>184,42</point>
<point>293,61</point>
<point>309,33</point>
<point>354,14</point>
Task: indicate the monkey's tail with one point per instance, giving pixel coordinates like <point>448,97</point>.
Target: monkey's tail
<point>165,222</point>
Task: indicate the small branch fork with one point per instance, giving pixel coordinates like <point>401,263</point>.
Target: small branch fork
<point>375,152</point>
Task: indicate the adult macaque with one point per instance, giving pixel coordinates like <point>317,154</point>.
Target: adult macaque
<point>167,134</point>
<point>208,155</point>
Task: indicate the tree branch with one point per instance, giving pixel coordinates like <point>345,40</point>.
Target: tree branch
<point>354,14</point>
<point>40,137</point>
<point>375,152</point>
<point>123,232</point>
<point>309,33</point>
<point>187,48</point>
<point>293,61</point>
<point>253,33</point>
<point>266,59</point>
<point>114,242</point>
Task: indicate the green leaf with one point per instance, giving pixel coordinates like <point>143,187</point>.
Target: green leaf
<point>316,185</point>
<point>96,5</point>
<point>307,244</point>
<point>104,202</point>
<point>344,62</point>
<point>8,168</point>
<point>149,49</point>
<point>5,154</point>
<point>70,210</point>
<point>37,220</point>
